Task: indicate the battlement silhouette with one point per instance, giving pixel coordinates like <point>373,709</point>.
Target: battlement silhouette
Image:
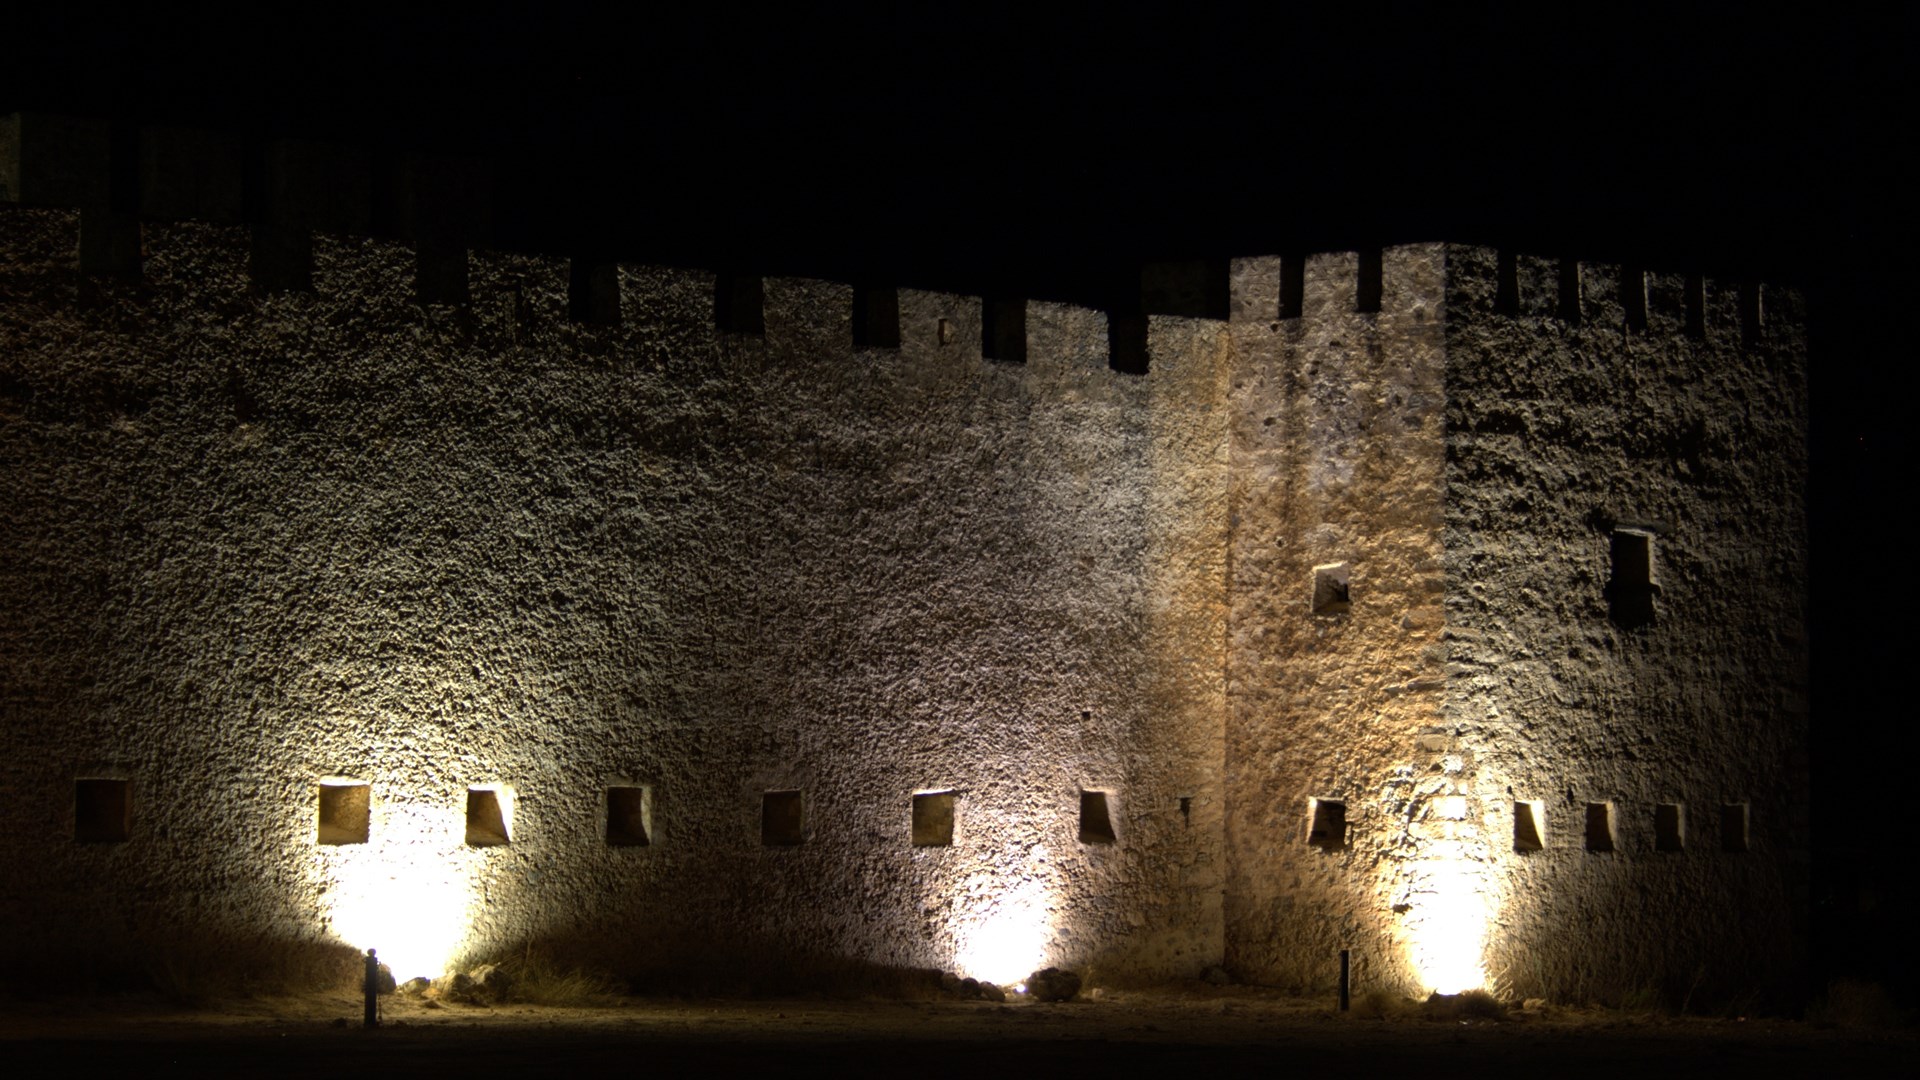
<point>288,190</point>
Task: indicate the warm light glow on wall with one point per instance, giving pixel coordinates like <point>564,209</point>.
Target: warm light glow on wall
<point>410,892</point>
<point>1006,934</point>
<point>1449,911</point>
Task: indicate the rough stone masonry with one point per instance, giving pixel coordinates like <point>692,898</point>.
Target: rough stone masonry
<point>1441,605</point>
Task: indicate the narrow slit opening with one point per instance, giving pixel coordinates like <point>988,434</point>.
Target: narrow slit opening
<point>1293,286</point>
<point>1669,827</point>
<point>1371,285</point>
<point>1570,305</point>
<point>1696,302</point>
<point>1631,588</point>
<point>1734,827</point>
<point>1752,313</point>
<point>1633,297</point>
<point>1506,286</point>
<point>1600,827</point>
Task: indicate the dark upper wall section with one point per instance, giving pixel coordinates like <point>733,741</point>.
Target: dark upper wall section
<point>996,151</point>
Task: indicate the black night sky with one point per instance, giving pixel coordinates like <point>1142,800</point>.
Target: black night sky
<point>993,148</point>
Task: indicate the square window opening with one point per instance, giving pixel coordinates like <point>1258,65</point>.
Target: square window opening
<point>1327,823</point>
<point>630,815</point>
<point>1096,820</point>
<point>1734,827</point>
<point>102,810</point>
<point>345,812</point>
<point>781,823</point>
<point>1632,559</point>
<point>933,819</point>
<point>1332,589</point>
<point>1669,827</point>
<point>1600,826</point>
<point>486,818</point>
<point>1529,825</point>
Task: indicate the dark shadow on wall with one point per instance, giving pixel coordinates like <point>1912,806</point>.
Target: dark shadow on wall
<point>740,966</point>
<point>189,969</point>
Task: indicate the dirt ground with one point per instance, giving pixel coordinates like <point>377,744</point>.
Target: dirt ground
<point>1237,1028</point>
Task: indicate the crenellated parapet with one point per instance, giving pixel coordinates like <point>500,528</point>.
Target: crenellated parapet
<point>1543,294</point>
<point>284,192</point>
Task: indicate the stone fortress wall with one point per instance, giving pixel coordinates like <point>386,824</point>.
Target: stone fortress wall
<point>1478,462</point>
<point>1663,418</point>
<point>336,614</point>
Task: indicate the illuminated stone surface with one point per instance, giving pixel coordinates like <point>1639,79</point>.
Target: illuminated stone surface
<point>255,541</point>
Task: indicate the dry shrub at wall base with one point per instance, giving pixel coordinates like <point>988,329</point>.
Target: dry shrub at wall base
<point>533,976</point>
<point>1383,1005</point>
<point>1645,999</point>
<point>1467,1005</point>
<point>537,981</point>
<point>747,967</point>
<point>1853,1003</point>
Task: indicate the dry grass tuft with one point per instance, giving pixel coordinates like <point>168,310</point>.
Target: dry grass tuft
<point>534,978</point>
<point>1467,1005</point>
<point>1851,1003</point>
<point>1381,1005</point>
<point>537,981</point>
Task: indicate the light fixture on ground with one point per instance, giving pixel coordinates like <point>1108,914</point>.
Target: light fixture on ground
<point>1008,932</point>
<point>412,888</point>
<point>1447,920</point>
